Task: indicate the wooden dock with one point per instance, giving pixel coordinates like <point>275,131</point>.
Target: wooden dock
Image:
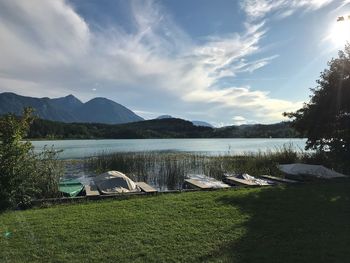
<point>278,179</point>
<point>196,184</point>
<point>146,187</point>
<point>91,191</point>
<point>237,181</point>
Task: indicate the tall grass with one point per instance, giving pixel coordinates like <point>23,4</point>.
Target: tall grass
<point>167,170</point>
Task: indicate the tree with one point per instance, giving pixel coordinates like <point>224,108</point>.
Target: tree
<point>325,120</point>
<point>24,174</point>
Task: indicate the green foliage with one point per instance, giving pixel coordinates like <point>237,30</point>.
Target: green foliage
<point>24,175</point>
<point>325,120</point>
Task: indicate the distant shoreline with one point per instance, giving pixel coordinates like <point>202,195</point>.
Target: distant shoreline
<point>100,139</point>
<point>154,129</point>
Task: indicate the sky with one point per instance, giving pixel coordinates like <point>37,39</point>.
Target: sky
<point>221,61</point>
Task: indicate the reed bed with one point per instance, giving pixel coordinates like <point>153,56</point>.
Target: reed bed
<point>167,170</point>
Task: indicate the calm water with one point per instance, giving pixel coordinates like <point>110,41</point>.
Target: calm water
<point>75,149</point>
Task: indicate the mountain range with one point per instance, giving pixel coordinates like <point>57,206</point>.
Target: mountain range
<point>69,109</point>
<point>68,117</point>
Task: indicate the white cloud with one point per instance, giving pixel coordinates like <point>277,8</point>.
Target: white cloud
<point>345,2</point>
<point>258,9</point>
<point>239,120</point>
<point>47,49</point>
<point>39,35</point>
<point>244,99</point>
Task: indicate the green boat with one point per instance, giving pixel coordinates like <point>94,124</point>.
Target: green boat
<point>70,187</point>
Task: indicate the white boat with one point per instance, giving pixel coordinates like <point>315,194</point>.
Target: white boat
<point>247,180</point>
<point>202,181</point>
<point>296,170</point>
<point>114,182</point>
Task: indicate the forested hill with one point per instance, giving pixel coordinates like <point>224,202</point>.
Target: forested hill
<point>158,128</point>
<point>277,130</point>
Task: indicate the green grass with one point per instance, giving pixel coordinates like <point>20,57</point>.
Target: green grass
<point>306,223</point>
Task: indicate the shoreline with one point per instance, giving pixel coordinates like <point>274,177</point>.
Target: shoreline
<point>185,138</point>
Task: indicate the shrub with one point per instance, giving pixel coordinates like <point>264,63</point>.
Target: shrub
<point>24,174</point>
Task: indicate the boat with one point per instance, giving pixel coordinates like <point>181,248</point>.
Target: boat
<point>114,182</point>
<point>278,180</point>
<point>70,187</point>
<point>300,171</point>
<point>247,180</point>
<point>201,181</point>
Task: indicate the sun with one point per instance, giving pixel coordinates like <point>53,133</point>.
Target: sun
<point>340,33</point>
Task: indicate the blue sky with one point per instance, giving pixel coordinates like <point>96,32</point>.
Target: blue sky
<point>223,61</point>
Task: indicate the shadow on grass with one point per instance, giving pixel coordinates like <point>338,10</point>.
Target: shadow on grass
<point>306,223</point>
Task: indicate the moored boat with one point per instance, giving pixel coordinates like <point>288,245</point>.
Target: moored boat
<point>201,181</point>
<point>114,182</point>
<point>301,171</point>
<point>247,180</point>
<point>70,187</point>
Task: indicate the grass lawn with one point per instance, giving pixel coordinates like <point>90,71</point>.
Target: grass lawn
<point>306,223</point>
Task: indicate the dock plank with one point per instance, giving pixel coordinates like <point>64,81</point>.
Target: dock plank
<point>146,187</point>
<point>91,192</point>
<point>237,181</point>
<point>278,179</point>
<point>196,184</point>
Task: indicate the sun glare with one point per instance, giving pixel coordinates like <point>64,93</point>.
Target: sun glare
<point>340,33</point>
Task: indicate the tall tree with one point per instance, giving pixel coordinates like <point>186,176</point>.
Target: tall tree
<point>325,120</point>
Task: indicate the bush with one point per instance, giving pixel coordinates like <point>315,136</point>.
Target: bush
<point>24,174</point>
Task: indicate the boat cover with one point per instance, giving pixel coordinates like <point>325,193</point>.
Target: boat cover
<point>318,171</point>
<point>114,182</point>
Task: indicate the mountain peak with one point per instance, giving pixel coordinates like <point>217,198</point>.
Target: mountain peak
<point>106,111</point>
<point>67,103</point>
<point>102,101</point>
<point>71,96</point>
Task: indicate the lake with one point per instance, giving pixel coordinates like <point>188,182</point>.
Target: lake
<point>77,149</point>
